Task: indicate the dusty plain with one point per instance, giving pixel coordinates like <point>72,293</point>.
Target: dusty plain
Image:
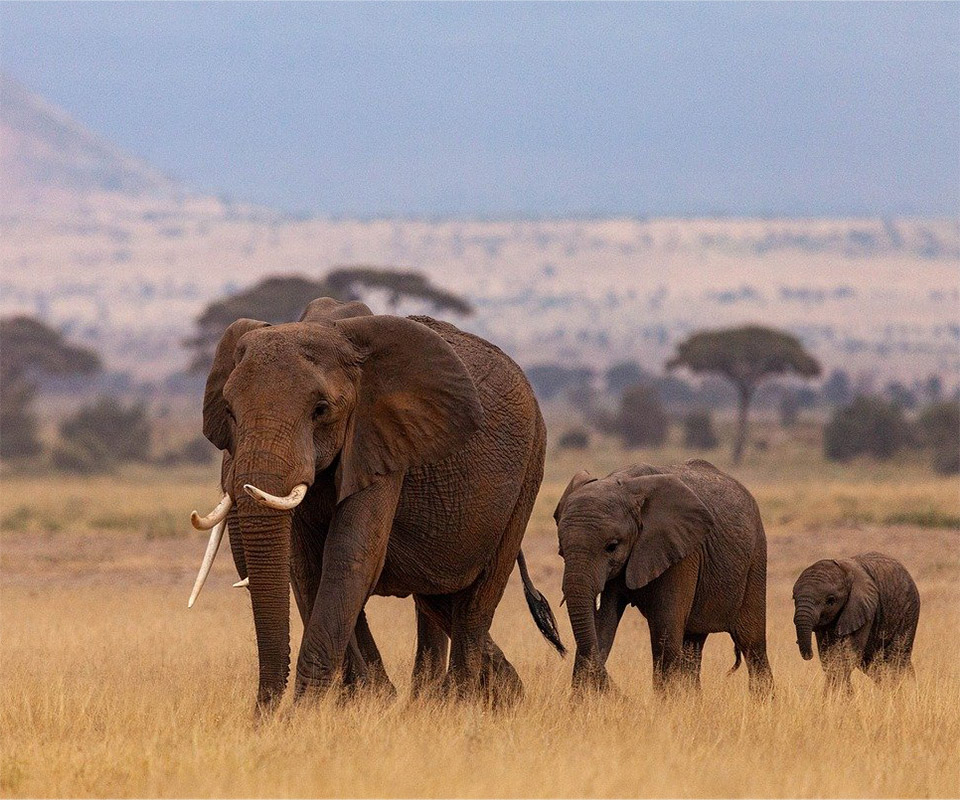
<point>111,687</point>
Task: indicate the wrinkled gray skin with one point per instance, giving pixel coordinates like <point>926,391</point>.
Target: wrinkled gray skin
<point>423,450</point>
<point>683,544</point>
<point>863,611</point>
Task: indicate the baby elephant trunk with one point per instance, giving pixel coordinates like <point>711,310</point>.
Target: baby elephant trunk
<point>803,621</point>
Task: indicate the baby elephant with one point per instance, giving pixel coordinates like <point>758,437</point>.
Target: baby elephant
<point>685,545</point>
<point>864,611</point>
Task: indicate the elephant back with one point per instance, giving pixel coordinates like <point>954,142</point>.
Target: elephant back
<point>735,545</point>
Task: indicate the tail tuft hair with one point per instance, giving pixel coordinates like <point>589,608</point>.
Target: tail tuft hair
<point>540,609</point>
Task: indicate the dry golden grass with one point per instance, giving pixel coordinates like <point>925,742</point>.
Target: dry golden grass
<point>110,687</point>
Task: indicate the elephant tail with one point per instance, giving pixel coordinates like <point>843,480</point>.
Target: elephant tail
<point>539,608</point>
<point>736,663</point>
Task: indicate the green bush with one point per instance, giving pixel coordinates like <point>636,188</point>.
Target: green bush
<point>575,439</point>
<point>939,426</point>
<point>197,451</point>
<point>107,427</point>
<point>868,426</point>
<point>83,454</point>
<point>698,431</point>
<point>641,420</point>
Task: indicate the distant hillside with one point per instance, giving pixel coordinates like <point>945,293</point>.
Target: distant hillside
<point>125,259</point>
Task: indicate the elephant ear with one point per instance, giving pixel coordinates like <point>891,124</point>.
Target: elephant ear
<point>416,402</point>
<point>216,426</point>
<point>578,480</point>
<point>673,522</point>
<point>326,308</point>
<point>861,605</point>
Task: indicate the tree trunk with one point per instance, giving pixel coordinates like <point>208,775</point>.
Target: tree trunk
<point>745,393</point>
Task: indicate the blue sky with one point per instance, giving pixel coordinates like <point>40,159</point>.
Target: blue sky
<point>529,109</point>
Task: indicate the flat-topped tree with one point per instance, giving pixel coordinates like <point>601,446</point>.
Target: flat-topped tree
<point>282,298</point>
<point>745,356</point>
<point>29,348</point>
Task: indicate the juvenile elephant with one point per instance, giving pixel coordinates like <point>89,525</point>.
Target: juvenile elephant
<point>685,545</point>
<point>373,455</point>
<point>864,612</point>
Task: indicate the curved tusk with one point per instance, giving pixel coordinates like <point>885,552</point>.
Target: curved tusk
<point>242,584</point>
<point>597,602</point>
<point>292,500</point>
<point>219,514</point>
<point>216,535</point>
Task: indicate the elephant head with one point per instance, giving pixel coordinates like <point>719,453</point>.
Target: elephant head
<point>343,396</point>
<point>629,524</point>
<point>838,593</point>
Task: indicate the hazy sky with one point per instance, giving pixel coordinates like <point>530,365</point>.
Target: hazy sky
<point>503,109</point>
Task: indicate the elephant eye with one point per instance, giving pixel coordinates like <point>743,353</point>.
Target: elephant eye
<point>831,600</point>
<point>320,409</point>
<point>612,545</point>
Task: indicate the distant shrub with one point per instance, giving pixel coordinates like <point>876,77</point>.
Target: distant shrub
<point>574,439</point>
<point>698,432</point>
<point>939,425</point>
<point>197,451</point>
<point>641,420</point>
<point>121,433</point>
<point>789,409</point>
<point>18,424</point>
<point>83,454</point>
<point>868,426</point>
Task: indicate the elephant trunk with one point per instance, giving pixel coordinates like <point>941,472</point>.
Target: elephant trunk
<point>803,620</point>
<point>588,670</point>
<point>265,545</point>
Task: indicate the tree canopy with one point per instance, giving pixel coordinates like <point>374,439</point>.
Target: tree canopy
<point>745,355</point>
<point>282,298</point>
<point>28,348</point>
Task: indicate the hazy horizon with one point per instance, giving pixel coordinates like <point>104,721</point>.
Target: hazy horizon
<point>534,111</point>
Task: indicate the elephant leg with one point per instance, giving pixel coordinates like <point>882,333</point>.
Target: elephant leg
<point>474,608</point>
<point>692,658</point>
<point>667,607</point>
<point>306,564</point>
<point>499,680</point>
<point>353,558</point>
<point>612,604</point>
<point>430,663</point>
<point>750,630</point>
<point>376,673</point>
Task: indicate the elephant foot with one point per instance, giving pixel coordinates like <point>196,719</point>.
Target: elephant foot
<point>588,678</point>
<point>501,688</point>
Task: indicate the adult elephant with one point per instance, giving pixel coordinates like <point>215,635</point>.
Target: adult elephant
<point>373,455</point>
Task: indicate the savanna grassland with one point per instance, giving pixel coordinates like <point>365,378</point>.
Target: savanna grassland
<point>111,687</point>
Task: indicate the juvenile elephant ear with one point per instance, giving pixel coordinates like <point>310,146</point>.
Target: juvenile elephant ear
<point>861,605</point>
<point>416,402</point>
<point>673,523</point>
<point>216,426</point>
<point>326,308</point>
<point>576,482</point>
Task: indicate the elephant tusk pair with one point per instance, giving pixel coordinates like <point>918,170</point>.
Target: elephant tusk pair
<point>217,520</point>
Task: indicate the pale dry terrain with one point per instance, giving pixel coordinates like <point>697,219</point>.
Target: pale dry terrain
<point>111,687</point>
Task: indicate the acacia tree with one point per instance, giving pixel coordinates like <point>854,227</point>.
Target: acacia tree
<point>282,298</point>
<point>29,348</point>
<point>744,356</point>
